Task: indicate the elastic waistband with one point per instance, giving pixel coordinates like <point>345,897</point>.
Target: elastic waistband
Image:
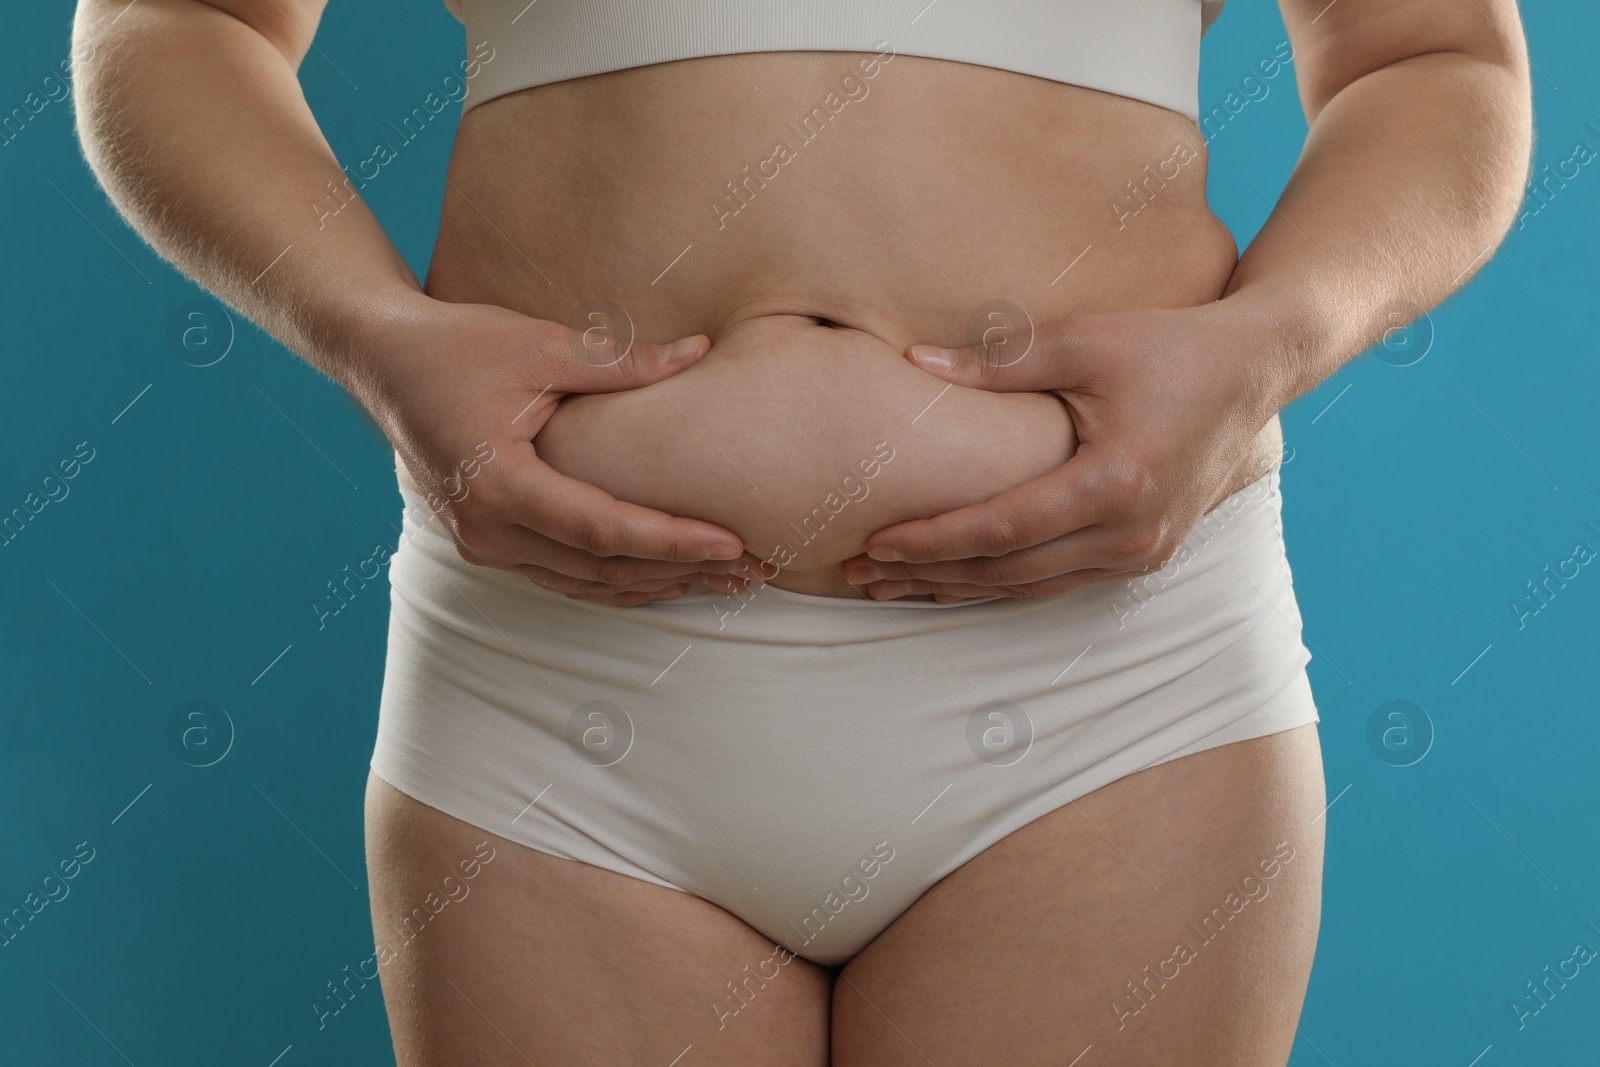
<point>765,613</point>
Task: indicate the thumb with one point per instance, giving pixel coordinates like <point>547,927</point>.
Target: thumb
<point>594,362</point>
<point>1011,354</point>
<point>598,353</point>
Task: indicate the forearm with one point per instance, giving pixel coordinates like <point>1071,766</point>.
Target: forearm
<point>1410,176</point>
<point>197,127</point>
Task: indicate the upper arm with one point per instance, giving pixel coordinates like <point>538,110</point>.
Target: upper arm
<point>1336,43</point>
<point>288,25</point>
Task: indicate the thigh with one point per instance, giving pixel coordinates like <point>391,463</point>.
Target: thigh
<point>1169,917</point>
<point>538,959</point>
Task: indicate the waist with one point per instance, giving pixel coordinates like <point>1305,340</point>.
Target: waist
<point>815,221</point>
<point>805,439</point>
<point>1242,535</point>
<point>698,192</point>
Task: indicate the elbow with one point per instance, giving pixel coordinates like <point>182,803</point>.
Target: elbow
<point>1499,98</point>
<point>1475,109</point>
<point>93,47</point>
<point>104,64</point>
<point>1502,76</point>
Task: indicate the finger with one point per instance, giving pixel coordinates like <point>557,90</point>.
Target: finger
<point>613,575</point>
<point>507,546</point>
<point>1013,354</point>
<point>1053,587</point>
<point>557,582</point>
<point>1064,500</point>
<point>1085,579</point>
<point>633,600</point>
<point>581,516</point>
<point>574,587</point>
<point>604,356</point>
<point>950,598</point>
<point>1103,548</point>
<point>893,590</point>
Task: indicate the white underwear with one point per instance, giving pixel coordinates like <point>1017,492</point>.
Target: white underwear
<point>814,764</point>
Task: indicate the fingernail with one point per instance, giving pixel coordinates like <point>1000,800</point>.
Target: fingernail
<point>861,574</point>
<point>884,553</point>
<point>929,358</point>
<point>723,551</point>
<point>681,349</point>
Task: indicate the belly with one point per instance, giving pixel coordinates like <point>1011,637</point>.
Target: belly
<point>805,439</point>
<point>815,214</point>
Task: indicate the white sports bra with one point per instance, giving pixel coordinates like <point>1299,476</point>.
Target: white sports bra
<point>1145,49</point>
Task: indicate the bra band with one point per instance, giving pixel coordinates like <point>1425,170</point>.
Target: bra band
<point>1143,49</point>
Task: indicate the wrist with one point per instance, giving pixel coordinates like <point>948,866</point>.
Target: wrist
<point>1283,342</point>
<point>352,336</point>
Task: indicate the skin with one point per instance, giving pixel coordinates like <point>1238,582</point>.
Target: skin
<point>1416,96</point>
<point>1413,168</point>
<point>1411,173</point>
<point>763,469</point>
<point>1025,948</point>
<point>750,437</point>
<point>191,116</point>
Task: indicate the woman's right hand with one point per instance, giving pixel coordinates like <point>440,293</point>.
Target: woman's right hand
<point>462,389</point>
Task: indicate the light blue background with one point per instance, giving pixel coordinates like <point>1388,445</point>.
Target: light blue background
<point>182,563</point>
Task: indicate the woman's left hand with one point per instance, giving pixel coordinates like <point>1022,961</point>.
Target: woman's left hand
<point>1166,404</point>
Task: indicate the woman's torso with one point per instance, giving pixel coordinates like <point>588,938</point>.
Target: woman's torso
<point>750,197</point>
